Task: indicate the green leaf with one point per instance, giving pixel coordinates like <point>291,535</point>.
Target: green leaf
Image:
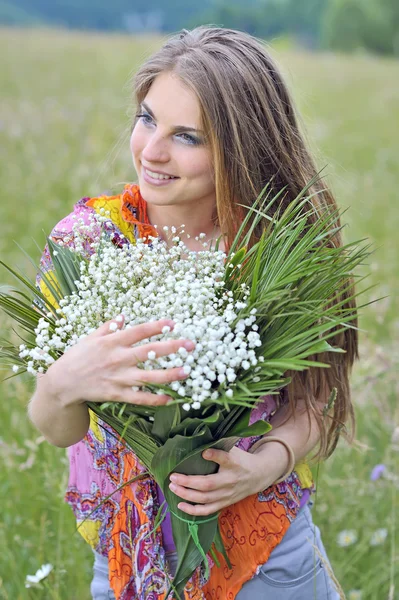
<point>66,266</point>
<point>166,418</point>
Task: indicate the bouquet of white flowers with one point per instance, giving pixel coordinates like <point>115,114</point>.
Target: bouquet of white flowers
<point>254,314</point>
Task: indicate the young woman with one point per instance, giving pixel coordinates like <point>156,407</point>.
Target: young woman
<point>214,124</point>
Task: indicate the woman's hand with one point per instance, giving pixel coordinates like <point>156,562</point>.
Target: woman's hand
<point>240,474</point>
<point>102,367</point>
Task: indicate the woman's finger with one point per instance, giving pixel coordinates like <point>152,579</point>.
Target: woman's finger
<point>140,377</point>
<point>109,327</point>
<point>137,333</point>
<point>147,398</point>
<point>202,510</point>
<point>129,396</point>
<point>220,457</point>
<point>140,353</point>
<point>203,483</point>
<point>197,496</point>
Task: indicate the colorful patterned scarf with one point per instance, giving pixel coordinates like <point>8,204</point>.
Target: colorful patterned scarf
<point>123,527</point>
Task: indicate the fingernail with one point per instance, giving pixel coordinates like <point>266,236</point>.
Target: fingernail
<point>182,372</point>
<point>172,487</point>
<point>172,477</point>
<point>170,401</point>
<point>189,345</point>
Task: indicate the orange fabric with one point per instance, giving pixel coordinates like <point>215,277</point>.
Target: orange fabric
<point>250,529</point>
<point>131,196</point>
<point>120,565</point>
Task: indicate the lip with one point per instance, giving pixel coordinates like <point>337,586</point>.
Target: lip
<point>158,172</point>
<point>156,182</point>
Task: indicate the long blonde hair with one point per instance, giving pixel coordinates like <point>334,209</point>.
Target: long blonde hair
<point>251,124</point>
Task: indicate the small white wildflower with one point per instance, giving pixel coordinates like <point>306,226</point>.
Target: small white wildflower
<point>196,405</point>
<point>395,436</point>
<point>119,319</point>
<point>379,536</point>
<point>355,595</point>
<point>229,393</point>
<point>186,406</point>
<point>135,388</point>
<point>113,327</point>
<point>347,537</point>
<point>41,574</point>
<point>152,355</point>
<point>15,368</point>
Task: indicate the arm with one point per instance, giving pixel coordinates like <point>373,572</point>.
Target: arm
<point>242,473</point>
<point>62,423</point>
<point>297,431</point>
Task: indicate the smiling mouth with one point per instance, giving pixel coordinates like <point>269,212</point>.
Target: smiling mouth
<point>160,176</point>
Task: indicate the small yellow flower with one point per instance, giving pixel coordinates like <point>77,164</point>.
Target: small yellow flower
<point>347,537</point>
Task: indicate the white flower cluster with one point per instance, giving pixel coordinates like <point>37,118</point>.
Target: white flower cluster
<point>147,282</point>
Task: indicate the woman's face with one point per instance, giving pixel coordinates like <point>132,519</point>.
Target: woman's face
<point>167,139</point>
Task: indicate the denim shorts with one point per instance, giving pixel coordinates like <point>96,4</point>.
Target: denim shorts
<point>294,570</point>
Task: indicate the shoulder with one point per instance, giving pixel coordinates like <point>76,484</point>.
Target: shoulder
<point>123,209</point>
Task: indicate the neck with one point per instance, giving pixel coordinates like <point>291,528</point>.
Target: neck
<point>195,222</point>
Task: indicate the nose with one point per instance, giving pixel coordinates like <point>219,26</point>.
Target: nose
<point>156,149</point>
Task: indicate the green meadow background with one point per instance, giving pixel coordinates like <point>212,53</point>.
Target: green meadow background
<point>65,113</point>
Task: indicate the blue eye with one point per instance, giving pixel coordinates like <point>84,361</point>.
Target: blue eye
<point>143,117</point>
<point>191,140</point>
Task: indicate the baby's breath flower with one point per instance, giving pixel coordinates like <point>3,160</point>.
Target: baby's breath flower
<point>143,282</point>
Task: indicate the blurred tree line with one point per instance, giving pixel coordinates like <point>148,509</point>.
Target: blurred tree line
<point>345,25</point>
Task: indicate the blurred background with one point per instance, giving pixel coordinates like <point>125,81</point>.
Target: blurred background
<point>347,25</point>
<point>65,118</point>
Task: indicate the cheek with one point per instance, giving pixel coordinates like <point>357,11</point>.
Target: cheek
<point>137,142</point>
<point>201,167</point>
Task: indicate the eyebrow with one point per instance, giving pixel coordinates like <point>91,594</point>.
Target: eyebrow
<point>177,128</point>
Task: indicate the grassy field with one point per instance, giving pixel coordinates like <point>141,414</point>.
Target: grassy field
<point>64,127</point>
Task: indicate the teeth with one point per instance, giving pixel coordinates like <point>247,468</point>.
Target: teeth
<point>158,175</point>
